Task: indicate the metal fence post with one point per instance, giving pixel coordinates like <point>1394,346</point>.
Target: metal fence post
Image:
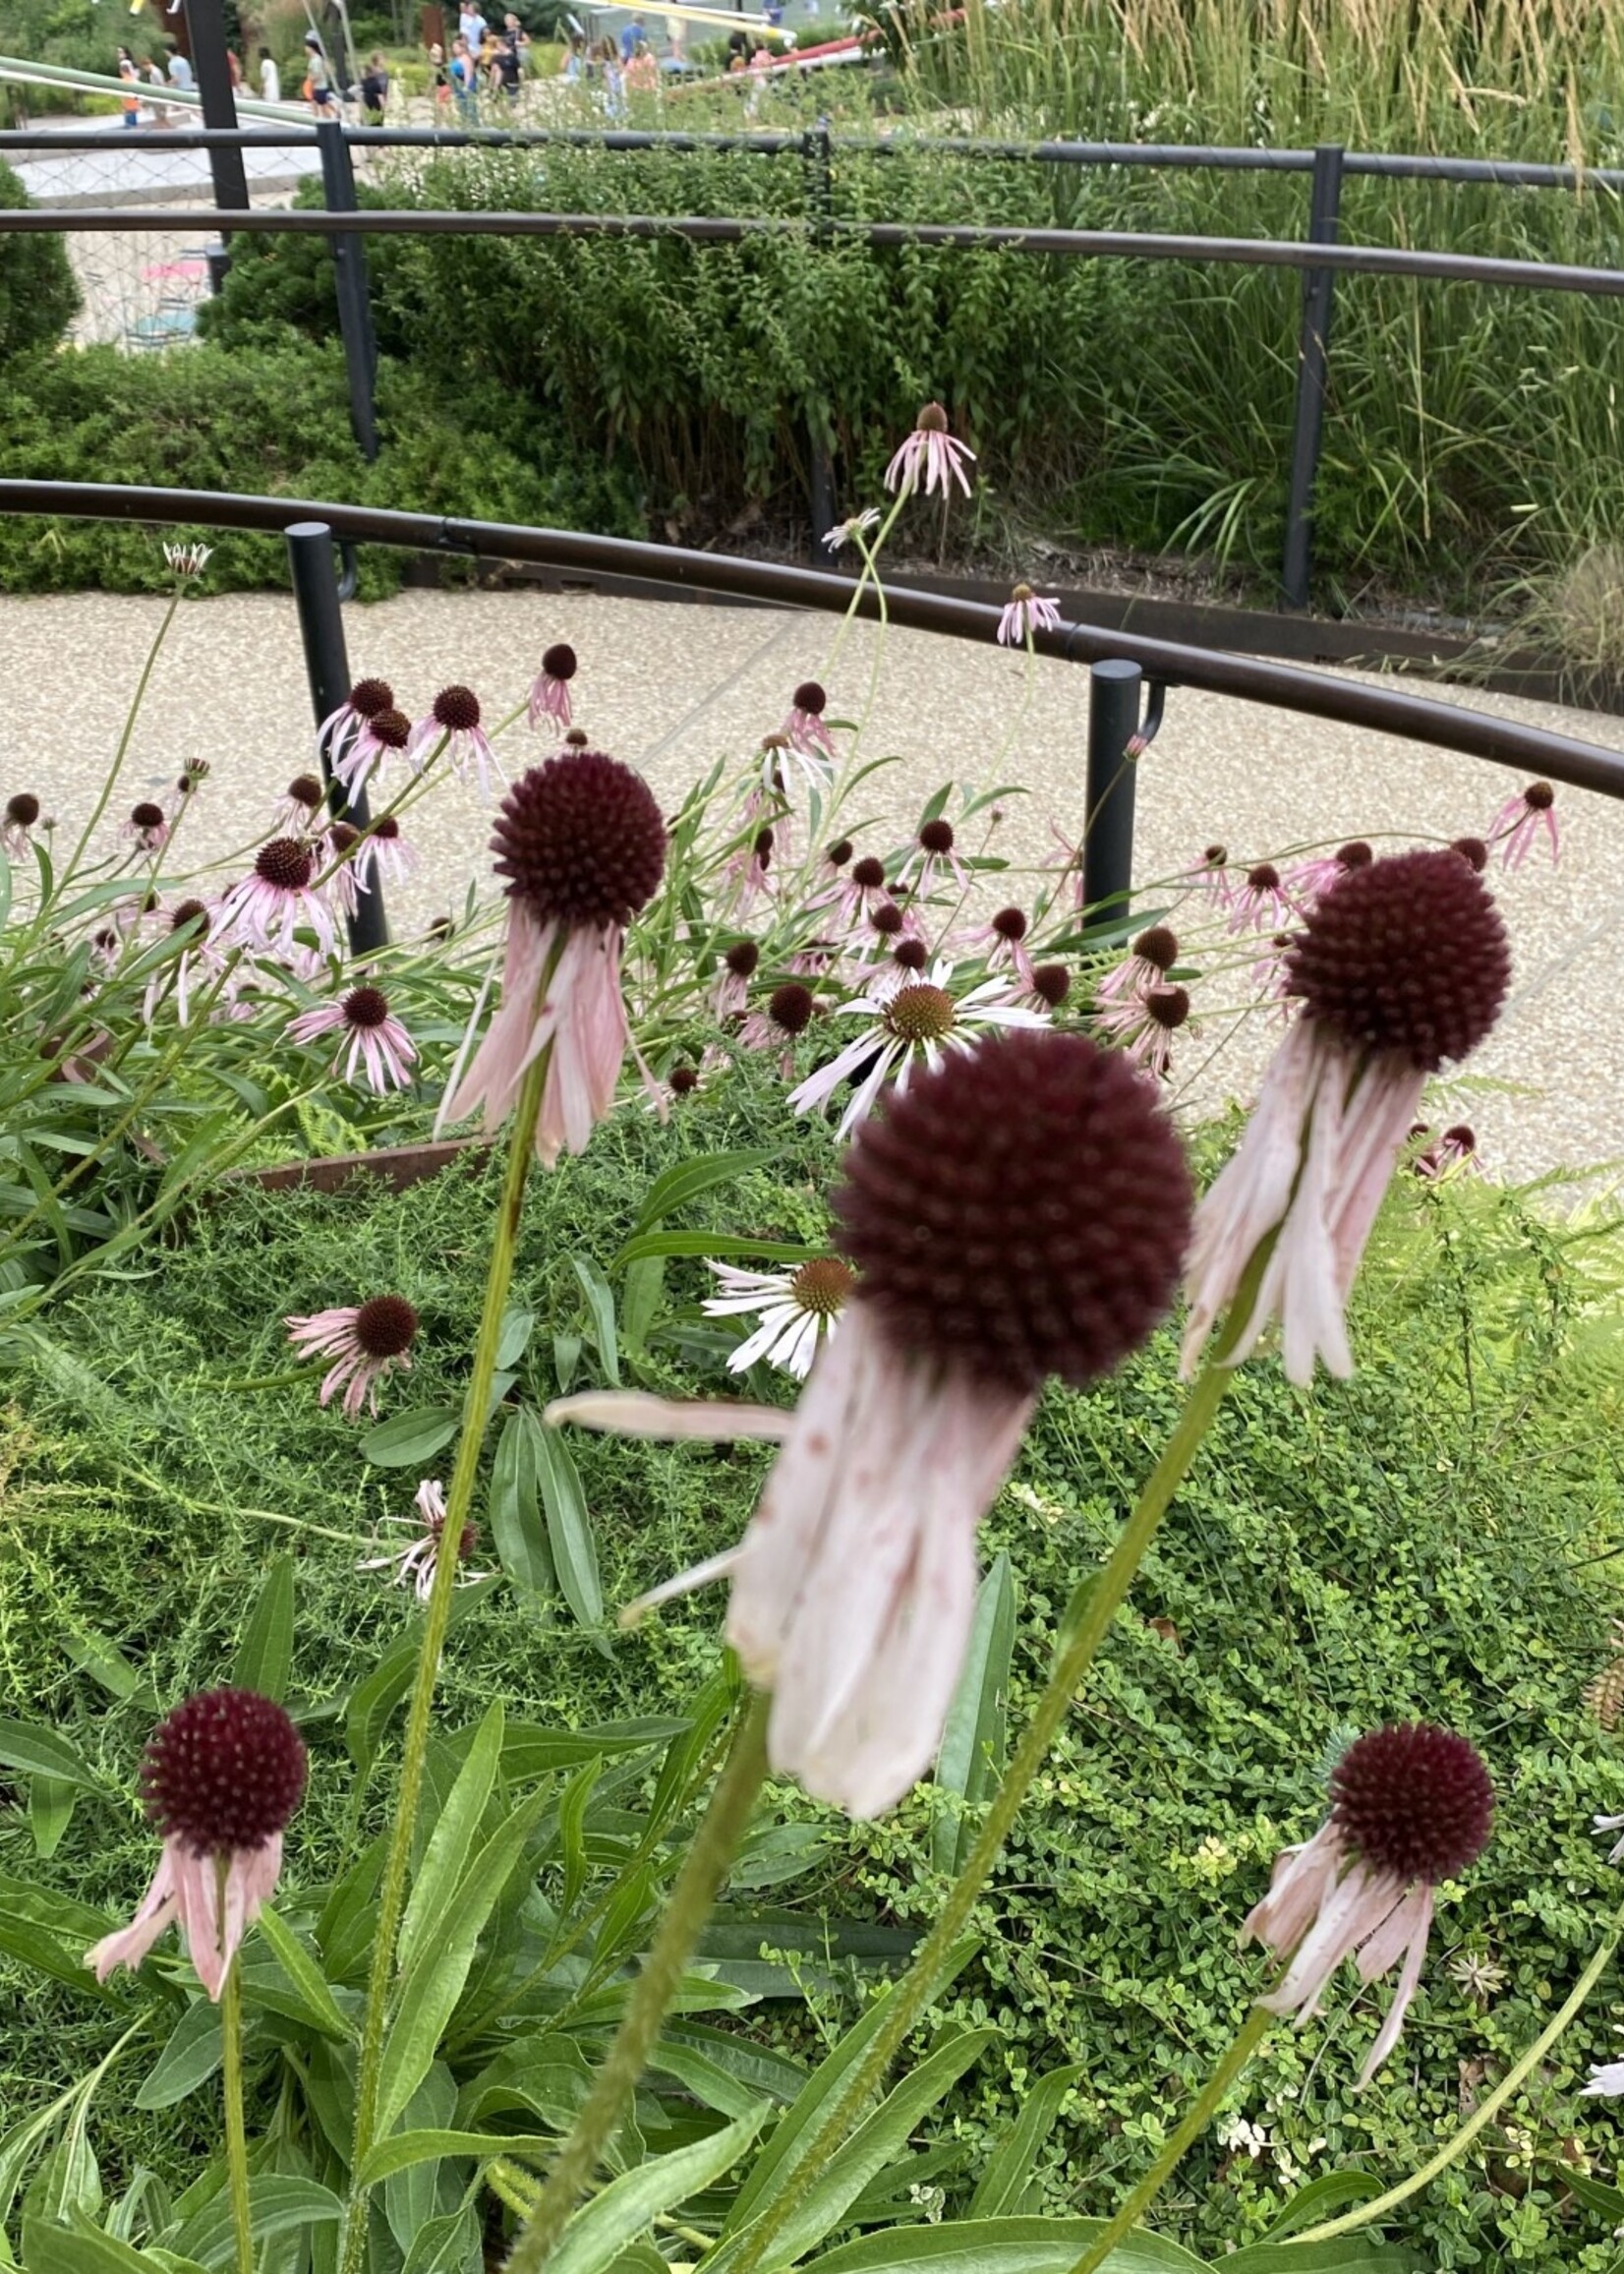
<point>817,153</point>
<point>205,31</point>
<point>1108,833</point>
<point>349,270</point>
<point>328,667</point>
<point>1318,290</point>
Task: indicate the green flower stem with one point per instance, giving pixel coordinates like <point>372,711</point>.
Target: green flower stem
<point>1253,2031</point>
<point>438,1618</point>
<point>236,2136</point>
<point>123,750</point>
<point>703,1872</point>
<point>1483,2113</point>
<point>1089,1613</point>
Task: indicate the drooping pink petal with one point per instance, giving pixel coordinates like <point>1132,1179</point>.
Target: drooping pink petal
<point>128,1945</point>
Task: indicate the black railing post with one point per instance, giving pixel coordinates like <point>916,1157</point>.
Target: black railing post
<point>1319,291</point>
<point>1108,833</point>
<point>349,271</point>
<point>328,668</point>
<point>817,153</point>
<point>206,29</point>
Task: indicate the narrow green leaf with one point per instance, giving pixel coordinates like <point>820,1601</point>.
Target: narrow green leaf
<point>722,1245</point>
<point>514,1511</point>
<point>972,1742</point>
<point>569,1525</point>
<point>402,2149</point>
<point>601,1304</point>
<point>407,1441</point>
<point>191,2056</point>
<point>1012,2162</point>
<point>103,1663</point>
<point>566,1357</point>
<point>446,1857</point>
<point>42,1753</point>
<point>513,1338</point>
<point>304,1975</point>
<point>265,1655</point>
<point>277,2204</point>
<point>1344,2254</point>
<point>639,1302</point>
<point>572,1809</point>
<point>686,1180</point>
<point>373,1700</point>
<point>82,2248</point>
<point>1332,2191</point>
<point>712,2085</point>
<point>595,2237</point>
<point>448,2245</point>
<point>51,1812</point>
<point>1003,2246</point>
<point>431,1990</point>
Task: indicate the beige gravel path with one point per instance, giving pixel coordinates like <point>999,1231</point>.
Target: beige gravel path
<point>672,685</point>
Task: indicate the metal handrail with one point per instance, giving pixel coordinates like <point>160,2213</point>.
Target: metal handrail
<point>1280,686</point>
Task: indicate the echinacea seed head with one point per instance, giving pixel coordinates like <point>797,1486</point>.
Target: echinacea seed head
<point>1167,1007</point>
<point>367,1008</point>
<point>1052,983</point>
<point>576,739</point>
<point>810,698</point>
<point>791,1006</point>
<point>190,916</point>
<point>921,1014</point>
<point>580,840</point>
<point>558,660</point>
<point>937,836</point>
<point>386,1326</point>
<point>1472,852</point>
<point>910,955</point>
<point>345,838</point>
<point>223,1773</point>
<point>683,1080</point>
<point>763,846</point>
<point>869,873</point>
<point>1215,856</point>
<point>888,919</point>
<point>306,790</point>
<point>1462,1136</point>
<point>1413,1801</point>
<point>1021,593</point>
<point>1357,854</point>
<point>1011,923</point>
<point>742,958</point>
<point>369,696</point>
<point>1264,878</point>
<point>386,828</point>
<point>146,815</point>
<point>22,810</point>
<point>458,710</point>
<point>1158,946</point>
<point>932,420</point>
<point>1021,1211</point>
<point>822,1285</point>
<point>1407,955</point>
<point>391,729</point>
<point>1538,797</point>
<point>839,852</point>
<point>285,864</point>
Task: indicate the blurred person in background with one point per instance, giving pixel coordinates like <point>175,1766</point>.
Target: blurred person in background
<point>642,71</point>
<point>319,88</point>
<point>130,104</point>
<point>374,87</point>
<point>464,82</point>
<point>439,78</point>
<point>271,79</point>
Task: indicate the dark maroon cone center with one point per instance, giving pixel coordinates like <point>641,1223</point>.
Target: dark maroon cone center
<point>1407,955</point>
<point>369,696</point>
<point>1158,946</point>
<point>937,836</point>
<point>367,1007</point>
<point>910,955</point>
<point>386,1326</point>
<point>345,838</point>
<point>1215,856</point>
<point>809,697</point>
<point>304,789</point>
<point>190,914</point>
<point>285,864</point>
<point>1357,854</point>
<point>1009,924</point>
<point>790,1007</point>
<point>888,919</point>
<point>580,840</point>
<point>869,873</point>
<point>1167,1007</point>
<point>146,815</point>
<point>1538,797</point>
<point>22,809</point>
<point>840,854</point>
<point>1413,1801</point>
<point>392,729</point>
<point>1022,1211</point>
<point>223,1773</point>
<point>558,660</point>
<point>387,827</point>
<point>742,958</point>
<point>683,1080</point>
<point>1052,983</point>
<point>1472,852</point>
<point>932,420</point>
<point>457,709</point>
<point>1264,878</point>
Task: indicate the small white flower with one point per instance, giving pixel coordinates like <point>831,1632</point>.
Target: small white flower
<point>796,1309</point>
<point>911,1021</point>
<point>187,559</point>
<point>858,526</point>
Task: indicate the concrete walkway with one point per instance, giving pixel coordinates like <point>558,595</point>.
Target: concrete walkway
<point>672,686</point>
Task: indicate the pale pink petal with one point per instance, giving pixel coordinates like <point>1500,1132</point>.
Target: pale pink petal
<point>128,1945</point>
<point>1406,1990</point>
<point>640,1414</point>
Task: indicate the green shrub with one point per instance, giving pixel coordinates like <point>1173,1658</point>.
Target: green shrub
<point>38,297</point>
<point>274,419</point>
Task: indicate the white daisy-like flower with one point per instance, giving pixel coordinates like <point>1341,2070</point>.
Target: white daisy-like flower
<point>909,1022</point>
<point>797,1307</point>
<point>414,1563</point>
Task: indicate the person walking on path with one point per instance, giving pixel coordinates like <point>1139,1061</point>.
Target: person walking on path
<point>473,27</point>
<point>464,82</point>
<point>130,104</point>
<point>271,79</point>
<point>156,77</point>
<point>319,92</point>
<point>440,79</point>
<point>180,73</point>
<point>374,88</point>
